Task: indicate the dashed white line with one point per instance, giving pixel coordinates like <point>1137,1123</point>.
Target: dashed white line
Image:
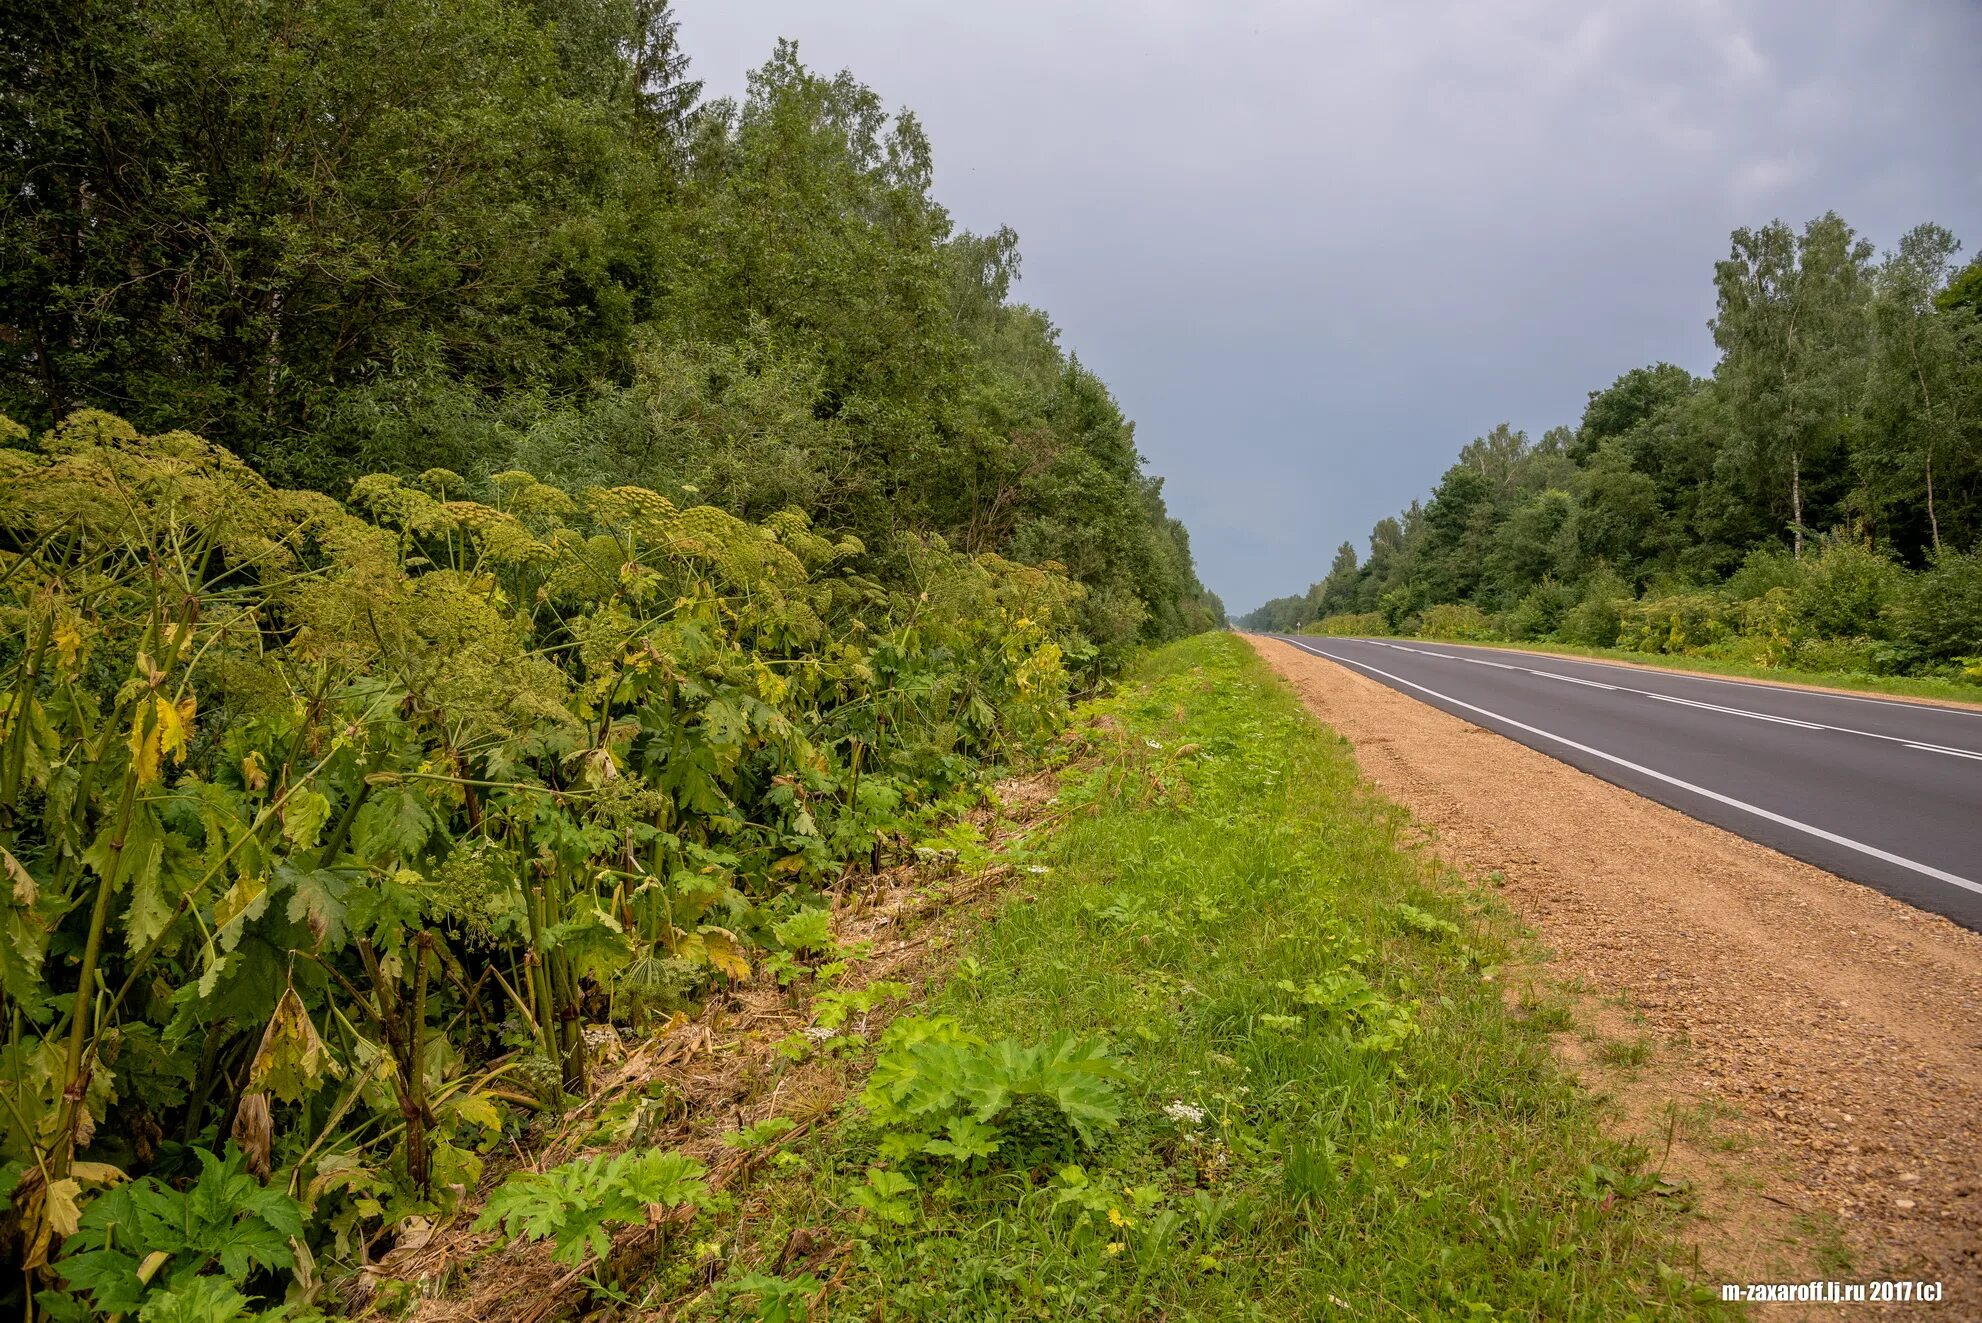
<point>1691,702</point>
<point>1952,753</point>
<point>1733,711</point>
<point>1873,851</point>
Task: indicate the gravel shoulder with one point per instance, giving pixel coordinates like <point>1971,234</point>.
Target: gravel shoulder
<point>1812,1058</point>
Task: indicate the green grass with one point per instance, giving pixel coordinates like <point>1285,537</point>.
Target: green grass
<point>1899,686</point>
<point>1422,1159</point>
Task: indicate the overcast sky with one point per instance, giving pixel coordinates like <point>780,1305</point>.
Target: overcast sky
<point>1316,247</point>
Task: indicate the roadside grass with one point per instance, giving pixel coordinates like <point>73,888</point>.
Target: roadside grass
<point>1898,686</point>
<point>1322,1106</point>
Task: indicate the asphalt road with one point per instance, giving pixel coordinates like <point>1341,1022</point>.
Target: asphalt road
<point>1882,792</point>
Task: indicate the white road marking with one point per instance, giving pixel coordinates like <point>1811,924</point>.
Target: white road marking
<point>1754,684</point>
<point>1925,870</point>
<point>1711,707</point>
<point>1570,679</point>
<point>1731,711</point>
<point>1955,753</point>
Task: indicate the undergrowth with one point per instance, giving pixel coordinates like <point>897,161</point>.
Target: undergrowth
<point>1232,1053</point>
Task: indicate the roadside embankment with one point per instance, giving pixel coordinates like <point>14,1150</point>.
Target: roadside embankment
<point>1833,1030</point>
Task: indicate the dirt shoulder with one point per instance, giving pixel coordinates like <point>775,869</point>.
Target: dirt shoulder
<point>1811,1051</point>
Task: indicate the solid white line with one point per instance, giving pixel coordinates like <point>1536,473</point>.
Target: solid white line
<point>1926,870</point>
<point>1570,679</point>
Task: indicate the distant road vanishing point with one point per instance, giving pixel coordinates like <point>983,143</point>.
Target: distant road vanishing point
<point>1883,792</point>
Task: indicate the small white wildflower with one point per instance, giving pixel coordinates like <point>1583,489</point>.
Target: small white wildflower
<point>820,1034</point>
<point>1037,868</point>
<point>1184,1113</point>
<point>1154,744</point>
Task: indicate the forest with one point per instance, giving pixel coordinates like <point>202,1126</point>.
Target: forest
<point>1816,502</point>
<point>347,238</point>
<point>489,538</point>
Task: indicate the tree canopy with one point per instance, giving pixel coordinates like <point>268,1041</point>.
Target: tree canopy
<point>1844,416</point>
<point>344,237</point>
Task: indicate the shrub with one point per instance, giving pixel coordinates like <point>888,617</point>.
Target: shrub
<point>1848,590</point>
<point>1541,611</point>
<point>1349,625</point>
<point>1458,621</point>
<point>271,761</point>
<point>1765,569</point>
<point>1679,622</point>
<point>1594,622</point>
<point>1859,656</point>
<point>1940,611</point>
<point>1770,626</point>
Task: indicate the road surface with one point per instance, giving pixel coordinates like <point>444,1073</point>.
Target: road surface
<point>1882,792</point>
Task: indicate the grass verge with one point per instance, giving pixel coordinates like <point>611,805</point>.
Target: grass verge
<point>1898,686</point>
<point>1232,1053</point>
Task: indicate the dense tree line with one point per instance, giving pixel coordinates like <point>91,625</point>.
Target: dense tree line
<point>343,237</point>
<point>1833,458</point>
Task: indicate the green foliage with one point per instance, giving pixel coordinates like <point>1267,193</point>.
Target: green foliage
<point>1941,614</point>
<point>1781,513</point>
<point>339,238</point>
<point>576,1205</point>
<point>942,1091</point>
<point>1356,624</point>
<point>1326,1105</point>
<point>1456,621</point>
<point>330,809</point>
<point>1598,618</point>
<point>775,1299</point>
<point>148,1249</point>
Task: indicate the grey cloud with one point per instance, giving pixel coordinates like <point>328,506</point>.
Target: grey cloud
<point>1315,248</point>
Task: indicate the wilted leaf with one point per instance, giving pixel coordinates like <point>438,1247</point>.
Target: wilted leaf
<point>292,1059</point>
<point>318,900</point>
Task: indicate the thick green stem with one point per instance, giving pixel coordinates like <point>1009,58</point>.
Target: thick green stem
<point>416,1069</point>
<point>81,1021</point>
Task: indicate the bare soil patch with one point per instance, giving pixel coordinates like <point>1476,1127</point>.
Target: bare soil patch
<point>1812,1049</point>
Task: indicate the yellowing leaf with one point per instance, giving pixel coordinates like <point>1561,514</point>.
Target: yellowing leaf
<point>152,1263</point>
<point>254,772</point>
<point>68,642</point>
<point>478,1109</point>
<point>61,1208</point>
<point>97,1173</point>
<point>158,732</point>
<point>239,900</point>
<point>724,953</point>
<point>19,878</point>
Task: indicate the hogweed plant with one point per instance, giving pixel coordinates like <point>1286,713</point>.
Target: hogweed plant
<point>330,829</point>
